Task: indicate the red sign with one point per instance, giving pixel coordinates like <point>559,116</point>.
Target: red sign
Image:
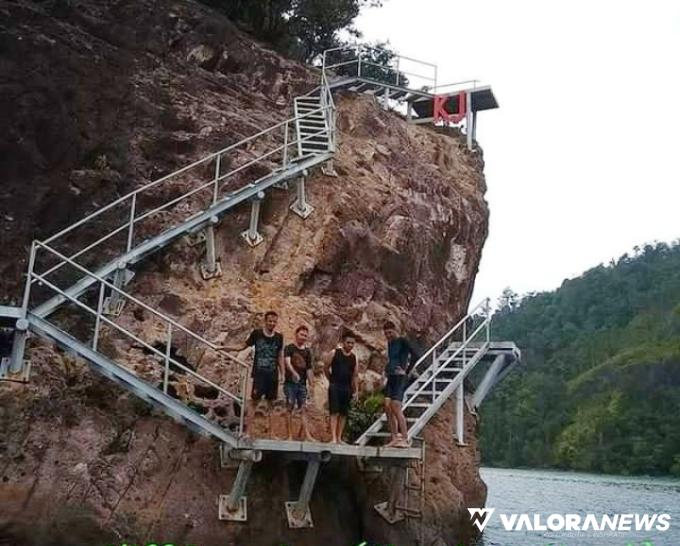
<point>440,112</point>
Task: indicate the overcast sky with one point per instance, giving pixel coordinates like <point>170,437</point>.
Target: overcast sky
<point>583,156</point>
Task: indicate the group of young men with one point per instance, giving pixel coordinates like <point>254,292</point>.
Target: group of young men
<point>273,362</point>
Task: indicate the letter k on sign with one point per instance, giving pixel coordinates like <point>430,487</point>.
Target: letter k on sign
<point>481,516</point>
<point>441,114</point>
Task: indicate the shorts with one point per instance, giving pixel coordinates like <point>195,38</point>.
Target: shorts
<point>265,384</point>
<point>296,394</point>
<point>339,399</point>
<point>395,388</point>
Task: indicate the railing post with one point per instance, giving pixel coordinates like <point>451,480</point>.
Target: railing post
<point>168,349</point>
<point>242,402</point>
<point>218,163</point>
<point>131,227</point>
<point>29,280</point>
<point>359,62</point>
<point>285,144</point>
<point>98,317</point>
<point>397,75</point>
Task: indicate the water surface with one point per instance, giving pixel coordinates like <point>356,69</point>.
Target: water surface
<point>550,492</point>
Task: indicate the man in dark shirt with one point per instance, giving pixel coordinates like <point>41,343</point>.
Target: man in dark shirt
<point>267,366</point>
<point>400,359</point>
<point>341,369</point>
<point>298,365</point>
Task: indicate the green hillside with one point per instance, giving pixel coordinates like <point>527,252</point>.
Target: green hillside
<point>599,388</point>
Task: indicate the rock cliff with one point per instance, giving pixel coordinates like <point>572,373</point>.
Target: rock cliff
<point>101,96</point>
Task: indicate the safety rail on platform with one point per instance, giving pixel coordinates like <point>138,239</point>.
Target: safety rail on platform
<point>171,328</point>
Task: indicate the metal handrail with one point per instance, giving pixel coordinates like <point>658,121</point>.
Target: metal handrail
<point>431,358</point>
<point>134,300</point>
<point>474,83</point>
<point>395,63</point>
<point>433,377</point>
<point>482,304</point>
<point>133,219</point>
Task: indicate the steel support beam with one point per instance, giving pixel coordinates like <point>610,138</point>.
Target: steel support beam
<point>234,506</point>
<point>252,235</point>
<point>488,381</point>
<point>301,207</point>
<point>210,267</point>
<point>14,367</point>
<point>386,99</point>
<point>113,304</point>
<point>328,169</point>
<point>389,510</point>
<point>298,513</point>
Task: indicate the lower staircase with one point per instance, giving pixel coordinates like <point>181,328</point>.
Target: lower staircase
<point>439,374</point>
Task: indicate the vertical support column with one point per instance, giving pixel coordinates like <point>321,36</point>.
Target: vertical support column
<point>210,267</point>
<point>409,111</point>
<point>386,98</point>
<point>251,235</point>
<point>390,509</point>
<point>234,506</point>
<point>469,120</point>
<point>298,512</point>
<point>460,415</point>
<point>113,305</point>
<point>15,365</point>
<point>16,359</point>
<point>301,207</point>
<point>474,125</point>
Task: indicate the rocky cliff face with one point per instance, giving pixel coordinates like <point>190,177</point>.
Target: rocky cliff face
<point>102,96</point>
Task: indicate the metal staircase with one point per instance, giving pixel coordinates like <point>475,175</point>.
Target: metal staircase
<point>75,288</point>
<point>439,374</point>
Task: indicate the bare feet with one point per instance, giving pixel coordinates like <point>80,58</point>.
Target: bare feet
<point>394,441</point>
<point>402,443</point>
<point>310,438</point>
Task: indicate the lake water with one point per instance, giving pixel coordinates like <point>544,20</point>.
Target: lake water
<point>550,492</point>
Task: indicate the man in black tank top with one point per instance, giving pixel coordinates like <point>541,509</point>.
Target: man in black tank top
<point>341,370</point>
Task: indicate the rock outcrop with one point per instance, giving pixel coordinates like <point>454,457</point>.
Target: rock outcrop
<point>99,97</point>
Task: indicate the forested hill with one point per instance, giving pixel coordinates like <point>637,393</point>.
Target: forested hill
<point>599,388</point>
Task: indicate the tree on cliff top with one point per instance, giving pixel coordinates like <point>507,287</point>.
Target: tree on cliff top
<point>300,28</point>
